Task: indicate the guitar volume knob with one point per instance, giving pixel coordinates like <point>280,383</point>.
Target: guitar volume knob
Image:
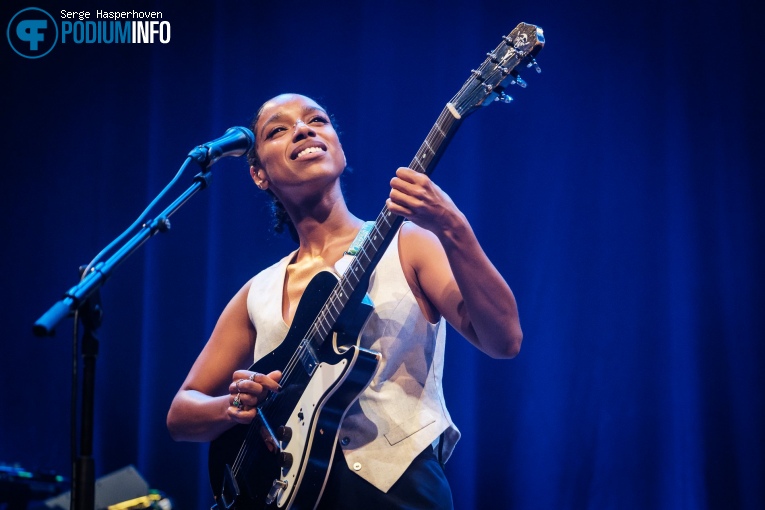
<point>284,433</point>
<point>285,460</point>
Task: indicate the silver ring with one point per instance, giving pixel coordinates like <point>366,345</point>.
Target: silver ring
<point>237,402</point>
<point>237,385</point>
<point>252,376</point>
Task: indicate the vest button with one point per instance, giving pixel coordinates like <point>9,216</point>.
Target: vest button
<point>345,441</point>
<point>357,466</point>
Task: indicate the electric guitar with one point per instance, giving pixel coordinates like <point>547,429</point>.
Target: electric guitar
<point>282,458</point>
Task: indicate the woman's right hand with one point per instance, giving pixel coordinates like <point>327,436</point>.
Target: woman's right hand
<point>247,390</point>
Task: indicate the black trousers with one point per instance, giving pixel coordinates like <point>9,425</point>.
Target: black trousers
<point>422,486</point>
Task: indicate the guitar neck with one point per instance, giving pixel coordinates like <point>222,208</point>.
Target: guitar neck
<point>385,227</point>
<point>437,140</point>
<point>485,85</point>
<point>387,223</point>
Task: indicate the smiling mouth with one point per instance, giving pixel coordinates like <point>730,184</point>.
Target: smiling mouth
<point>308,150</point>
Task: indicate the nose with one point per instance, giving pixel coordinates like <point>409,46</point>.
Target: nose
<point>302,130</point>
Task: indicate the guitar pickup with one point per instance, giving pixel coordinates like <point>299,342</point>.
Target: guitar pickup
<point>307,356</point>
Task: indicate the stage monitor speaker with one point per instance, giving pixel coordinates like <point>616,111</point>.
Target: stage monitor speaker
<point>116,487</point>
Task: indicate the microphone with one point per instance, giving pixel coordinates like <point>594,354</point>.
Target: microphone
<point>236,141</point>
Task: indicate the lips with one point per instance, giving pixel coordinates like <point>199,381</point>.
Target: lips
<point>307,149</point>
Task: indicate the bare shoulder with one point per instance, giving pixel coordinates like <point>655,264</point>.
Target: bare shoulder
<point>239,300</point>
<point>416,242</point>
<point>229,347</point>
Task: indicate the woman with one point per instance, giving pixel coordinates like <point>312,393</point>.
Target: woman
<point>433,270</point>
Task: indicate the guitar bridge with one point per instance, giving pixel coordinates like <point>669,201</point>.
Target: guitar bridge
<point>230,491</point>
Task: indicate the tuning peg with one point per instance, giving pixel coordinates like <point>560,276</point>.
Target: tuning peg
<point>504,98</point>
<point>519,81</point>
<point>534,64</point>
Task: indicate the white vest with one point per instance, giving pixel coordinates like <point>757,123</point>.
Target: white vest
<point>403,410</point>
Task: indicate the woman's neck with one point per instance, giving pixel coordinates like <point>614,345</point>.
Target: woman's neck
<point>325,225</point>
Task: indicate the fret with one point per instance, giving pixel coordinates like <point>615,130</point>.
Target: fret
<point>339,301</point>
<point>363,252</point>
<point>429,147</point>
<point>416,165</point>
<point>351,273</point>
<point>322,327</point>
<point>376,230</point>
<point>348,289</point>
<point>440,131</point>
<point>383,223</point>
<point>330,309</point>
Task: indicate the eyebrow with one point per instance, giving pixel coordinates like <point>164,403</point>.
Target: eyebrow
<point>305,110</point>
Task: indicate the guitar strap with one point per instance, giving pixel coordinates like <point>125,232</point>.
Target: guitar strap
<point>354,248</point>
<point>366,228</point>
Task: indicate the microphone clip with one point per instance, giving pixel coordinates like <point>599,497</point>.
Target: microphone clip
<point>235,142</point>
<point>201,154</point>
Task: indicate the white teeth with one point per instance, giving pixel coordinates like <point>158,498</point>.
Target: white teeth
<point>309,150</point>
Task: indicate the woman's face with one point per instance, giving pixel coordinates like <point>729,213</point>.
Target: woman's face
<point>297,146</point>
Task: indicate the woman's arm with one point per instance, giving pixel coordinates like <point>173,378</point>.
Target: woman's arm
<point>450,267</point>
<point>202,409</point>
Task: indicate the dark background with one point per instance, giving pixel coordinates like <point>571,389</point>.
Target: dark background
<point>621,195</point>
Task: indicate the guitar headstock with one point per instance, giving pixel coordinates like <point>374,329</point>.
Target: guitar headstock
<point>488,83</point>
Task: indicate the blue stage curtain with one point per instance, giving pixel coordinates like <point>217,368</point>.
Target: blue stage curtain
<point>621,195</point>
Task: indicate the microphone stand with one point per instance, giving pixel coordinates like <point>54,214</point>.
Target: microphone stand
<point>85,298</point>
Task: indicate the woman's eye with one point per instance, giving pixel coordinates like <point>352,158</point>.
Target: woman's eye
<point>319,119</point>
<point>274,132</point>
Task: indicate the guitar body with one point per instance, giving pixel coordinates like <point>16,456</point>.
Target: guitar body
<point>245,462</point>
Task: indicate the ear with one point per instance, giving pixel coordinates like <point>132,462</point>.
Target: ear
<point>259,177</point>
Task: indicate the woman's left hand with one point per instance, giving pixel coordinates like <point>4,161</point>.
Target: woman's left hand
<point>416,197</point>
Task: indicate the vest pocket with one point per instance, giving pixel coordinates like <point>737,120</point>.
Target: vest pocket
<point>413,424</point>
